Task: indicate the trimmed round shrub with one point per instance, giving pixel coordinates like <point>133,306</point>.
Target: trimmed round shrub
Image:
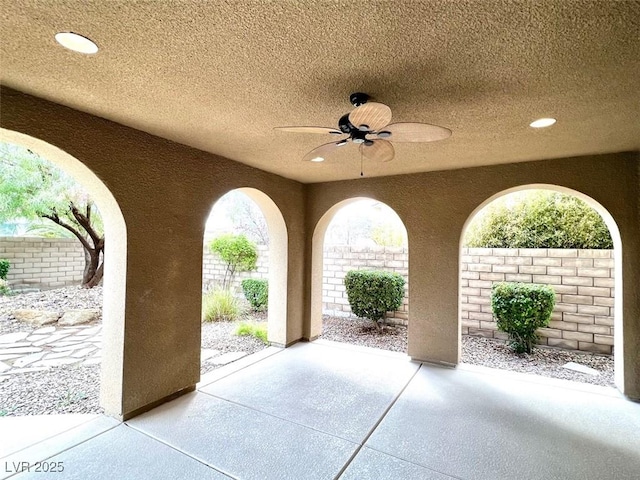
<point>372,294</point>
<point>256,292</point>
<point>520,309</point>
<point>4,268</point>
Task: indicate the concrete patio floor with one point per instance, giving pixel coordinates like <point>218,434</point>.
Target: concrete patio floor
<point>322,410</point>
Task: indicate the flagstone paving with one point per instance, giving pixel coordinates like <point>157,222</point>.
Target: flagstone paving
<point>52,346</point>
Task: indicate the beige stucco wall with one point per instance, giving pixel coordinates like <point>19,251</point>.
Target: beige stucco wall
<point>435,206</point>
<point>165,192</point>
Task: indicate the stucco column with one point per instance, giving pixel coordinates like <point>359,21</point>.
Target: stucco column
<point>434,329</point>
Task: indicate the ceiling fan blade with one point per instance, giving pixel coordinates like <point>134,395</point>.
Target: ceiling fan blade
<point>374,116</point>
<point>321,153</point>
<point>413,132</point>
<point>323,130</point>
<point>379,150</point>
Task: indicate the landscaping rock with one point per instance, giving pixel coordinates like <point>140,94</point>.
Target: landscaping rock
<point>78,317</point>
<point>576,367</point>
<point>36,317</point>
<point>227,358</point>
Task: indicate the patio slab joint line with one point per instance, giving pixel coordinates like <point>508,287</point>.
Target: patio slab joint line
<point>46,439</point>
<point>309,427</point>
<point>373,429</point>
<point>67,448</point>
<point>182,452</point>
<point>449,475</point>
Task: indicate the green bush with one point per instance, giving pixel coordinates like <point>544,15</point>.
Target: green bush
<point>239,253</point>
<point>520,309</point>
<point>542,219</point>
<point>220,304</point>
<point>4,268</point>
<point>4,287</point>
<point>258,330</point>
<point>373,293</point>
<point>256,292</point>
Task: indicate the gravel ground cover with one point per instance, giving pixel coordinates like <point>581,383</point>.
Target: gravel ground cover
<point>57,300</point>
<point>545,361</point>
<point>221,336</point>
<point>75,389</point>
<point>492,353</point>
<point>358,331</point>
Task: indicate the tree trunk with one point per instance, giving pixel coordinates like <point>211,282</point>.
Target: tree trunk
<point>95,280</point>
<point>93,268</point>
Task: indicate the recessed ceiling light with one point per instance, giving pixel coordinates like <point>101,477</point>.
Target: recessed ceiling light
<point>543,122</point>
<point>317,159</point>
<point>76,42</point>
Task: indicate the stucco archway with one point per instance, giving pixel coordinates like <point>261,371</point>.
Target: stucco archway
<point>618,264</point>
<point>115,266</point>
<point>278,254</point>
<point>317,261</point>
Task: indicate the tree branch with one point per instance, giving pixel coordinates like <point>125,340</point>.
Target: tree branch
<point>85,222</point>
<point>56,219</point>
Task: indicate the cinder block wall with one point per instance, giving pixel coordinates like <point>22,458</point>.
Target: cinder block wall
<point>582,279</point>
<point>338,260</point>
<point>42,263</point>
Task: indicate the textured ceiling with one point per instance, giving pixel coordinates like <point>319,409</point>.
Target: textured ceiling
<point>219,75</point>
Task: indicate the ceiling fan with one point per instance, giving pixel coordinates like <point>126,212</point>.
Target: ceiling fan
<point>368,127</point>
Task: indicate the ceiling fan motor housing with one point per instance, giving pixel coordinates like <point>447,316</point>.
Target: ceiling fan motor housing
<point>345,125</point>
<point>358,99</point>
<point>357,135</point>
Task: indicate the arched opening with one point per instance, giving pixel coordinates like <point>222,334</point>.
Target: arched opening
<point>256,208</point>
<point>586,289</point>
<point>115,264</point>
<point>357,234</point>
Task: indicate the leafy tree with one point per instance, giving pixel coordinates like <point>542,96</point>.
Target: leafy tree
<point>542,219</point>
<point>238,252</point>
<point>33,188</point>
<point>388,235</point>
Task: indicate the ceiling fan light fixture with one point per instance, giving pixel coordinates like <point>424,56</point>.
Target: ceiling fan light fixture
<point>384,134</point>
<point>317,159</point>
<point>542,123</point>
<point>77,43</point>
